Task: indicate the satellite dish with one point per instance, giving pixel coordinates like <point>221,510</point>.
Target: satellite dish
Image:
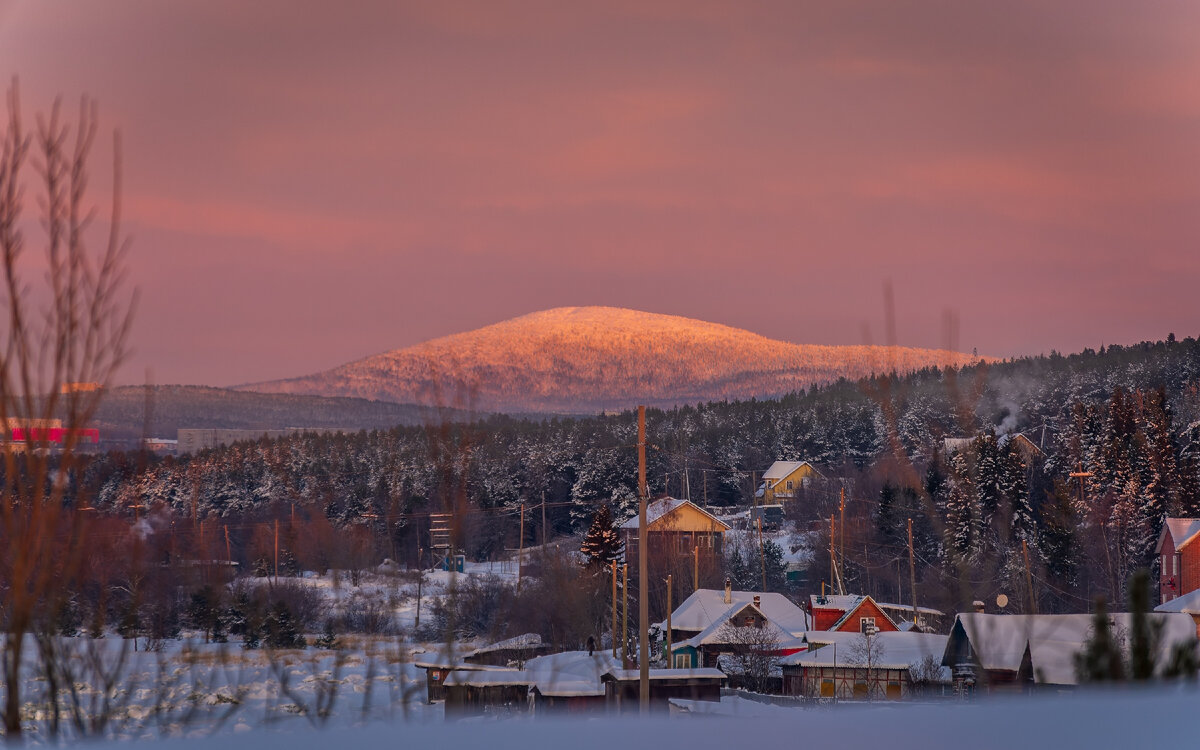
<point>1002,600</point>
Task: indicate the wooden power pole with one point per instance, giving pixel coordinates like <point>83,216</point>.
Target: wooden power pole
<point>625,614</point>
<point>520,547</point>
<point>670,605</point>
<point>614,607</point>
<point>643,600</point>
<point>912,572</point>
<point>1028,577</point>
<point>276,550</point>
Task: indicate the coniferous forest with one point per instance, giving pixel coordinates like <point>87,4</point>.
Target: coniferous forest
<point>981,505</point>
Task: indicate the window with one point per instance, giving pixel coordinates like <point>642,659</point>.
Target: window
<point>864,623</point>
<point>1174,565</point>
<point>1164,566</point>
<point>683,660</point>
<point>704,540</point>
<point>789,484</point>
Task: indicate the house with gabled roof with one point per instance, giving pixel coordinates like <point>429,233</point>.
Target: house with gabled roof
<point>676,527</point>
<point>849,613</point>
<point>1022,653</point>
<point>1179,572</point>
<point>783,479</point>
<point>836,666</point>
<point>706,606</point>
<point>734,624</point>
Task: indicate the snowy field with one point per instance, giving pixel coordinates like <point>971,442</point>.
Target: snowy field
<point>1093,720</point>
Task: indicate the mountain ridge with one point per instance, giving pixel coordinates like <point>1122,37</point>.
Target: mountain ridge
<point>573,359</point>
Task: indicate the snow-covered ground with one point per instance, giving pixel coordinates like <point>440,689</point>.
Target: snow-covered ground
<point>1084,720</point>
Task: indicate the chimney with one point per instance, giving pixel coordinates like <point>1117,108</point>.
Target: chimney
<point>758,602</point>
<point>977,606</point>
<point>728,591</point>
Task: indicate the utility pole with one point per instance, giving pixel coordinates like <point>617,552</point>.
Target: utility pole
<point>695,568</point>
<point>833,574</point>
<point>762,556</point>
<point>543,521</point>
<point>912,572</point>
<point>704,480</point>
<point>228,549</point>
<point>643,601</point>
<point>520,547</point>
<point>614,607</point>
<point>670,606</point>
<point>1028,577</point>
<point>276,550</point>
<point>842,529</point>
<point>625,614</point>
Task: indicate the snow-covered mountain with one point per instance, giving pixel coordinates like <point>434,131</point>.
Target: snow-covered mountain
<point>585,359</point>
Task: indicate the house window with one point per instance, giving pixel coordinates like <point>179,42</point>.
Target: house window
<point>789,484</point>
<point>704,540</point>
<point>826,688</point>
<point>1164,566</point>
<point>748,621</point>
<point>1175,565</point>
<point>864,623</point>
<point>683,660</point>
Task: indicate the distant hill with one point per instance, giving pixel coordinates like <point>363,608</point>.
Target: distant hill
<point>121,415</point>
<point>579,359</point>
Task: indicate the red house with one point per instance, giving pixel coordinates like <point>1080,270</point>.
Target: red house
<point>849,613</point>
<point>1179,573</point>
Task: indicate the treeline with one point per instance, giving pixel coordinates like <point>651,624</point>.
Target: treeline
<point>1128,415</point>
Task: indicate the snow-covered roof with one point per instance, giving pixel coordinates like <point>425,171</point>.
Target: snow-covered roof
<point>568,674</point>
<point>488,678</point>
<point>571,673</point>
<point>706,606</point>
<point>999,641</point>
<point>844,602</point>
<point>1182,531</point>
<point>897,651</point>
<point>659,508</point>
<point>666,674</point>
<point>528,640</point>
<point>1189,604</point>
<point>715,633</point>
<point>908,608</point>
<point>782,469</point>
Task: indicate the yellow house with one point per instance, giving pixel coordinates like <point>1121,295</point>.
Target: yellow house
<point>781,481</point>
<point>676,527</point>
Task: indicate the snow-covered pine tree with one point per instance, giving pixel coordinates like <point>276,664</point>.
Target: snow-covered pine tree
<point>602,544</point>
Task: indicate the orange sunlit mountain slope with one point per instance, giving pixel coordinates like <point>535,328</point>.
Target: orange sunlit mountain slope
<point>582,359</point>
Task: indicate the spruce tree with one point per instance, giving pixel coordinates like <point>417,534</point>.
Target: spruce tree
<point>602,544</point>
<point>328,640</point>
<point>280,628</point>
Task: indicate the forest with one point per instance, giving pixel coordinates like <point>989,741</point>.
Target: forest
<point>995,515</point>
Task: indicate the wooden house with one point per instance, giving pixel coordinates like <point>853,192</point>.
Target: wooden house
<point>676,527</point>
<point>1188,604</point>
<point>849,613</point>
<point>836,666</point>
<point>570,682</point>
<point>783,480</point>
<point>706,606</point>
<point>498,692</point>
<point>1179,569</point>
<point>622,688</point>
<point>1021,653</point>
<point>729,623</point>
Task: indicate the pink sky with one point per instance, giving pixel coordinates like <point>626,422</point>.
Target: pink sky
<point>309,183</point>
